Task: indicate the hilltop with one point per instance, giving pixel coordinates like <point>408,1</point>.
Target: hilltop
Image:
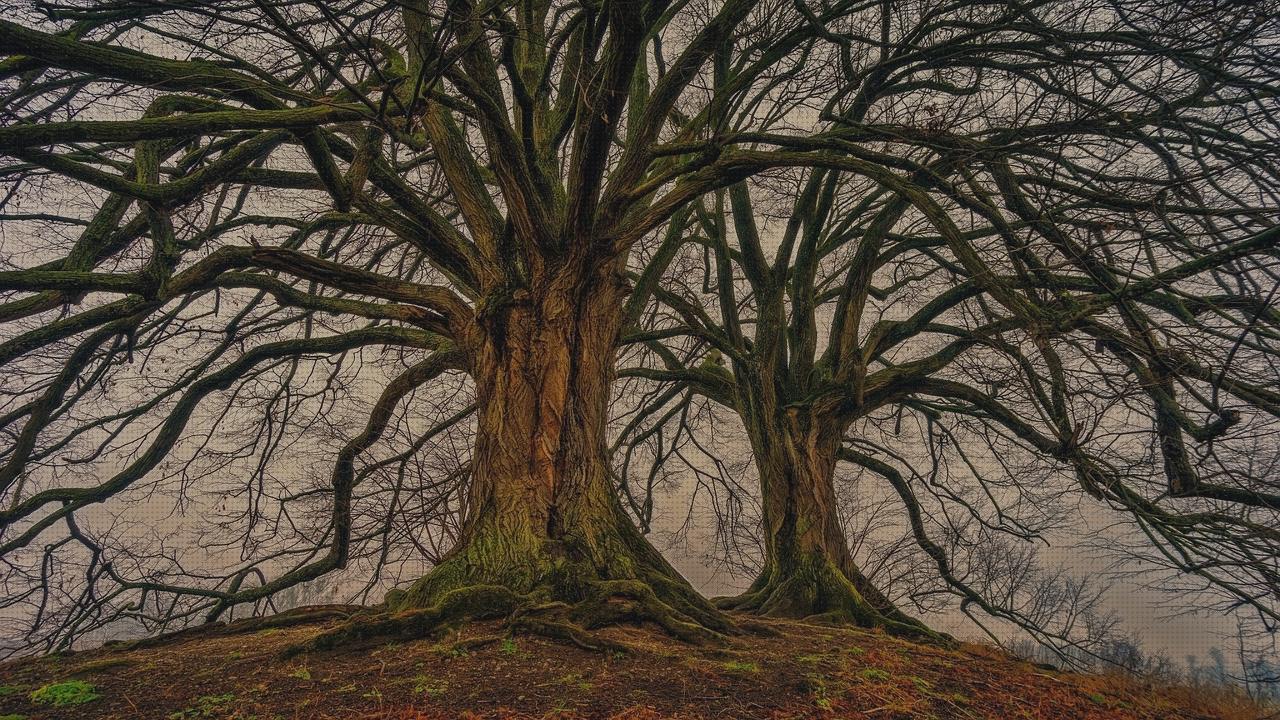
<point>802,671</point>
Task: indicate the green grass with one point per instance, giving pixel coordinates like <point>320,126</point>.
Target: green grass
<point>205,706</point>
<point>302,673</point>
<point>13,716</point>
<point>818,690</point>
<point>875,674</point>
<point>424,685</point>
<point>103,665</point>
<point>66,693</point>
<point>7,690</point>
<point>577,680</point>
<point>739,666</point>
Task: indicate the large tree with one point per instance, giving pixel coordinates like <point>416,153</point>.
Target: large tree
<point>468,187</point>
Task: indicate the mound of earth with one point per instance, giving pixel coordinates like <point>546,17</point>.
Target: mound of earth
<point>801,671</point>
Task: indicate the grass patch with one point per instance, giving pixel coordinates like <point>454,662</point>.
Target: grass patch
<point>103,665</point>
<point>738,666</point>
<point>424,685</point>
<point>205,706</point>
<point>302,673</point>
<point>13,716</point>
<point>451,652</point>
<point>7,690</point>
<point>818,691</point>
<point>875,674</point>
<point>66,693</point>
<point>577,680</point>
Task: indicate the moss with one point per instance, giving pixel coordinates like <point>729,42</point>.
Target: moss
<point>424,685</point>
<point>819,692</point>
<point>205,706</point>
<point>475,603</point>
<point>66,693</point>
<point>104,665</point>
<point>812,588</point>
<point>563,589</point>
<point>575,680</point>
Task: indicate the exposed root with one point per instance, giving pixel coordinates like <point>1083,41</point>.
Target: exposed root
<point>288,618</point>
<point>617,601</point>
<point>820,594</point>
<point>607,602</point>
<point>480,602</point>
<point>561,630</point>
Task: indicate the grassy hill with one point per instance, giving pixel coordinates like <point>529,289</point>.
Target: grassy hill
<point>804,671</point>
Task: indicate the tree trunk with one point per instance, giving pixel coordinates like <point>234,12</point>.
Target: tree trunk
<point>808,570</point>
<point>543,519</point>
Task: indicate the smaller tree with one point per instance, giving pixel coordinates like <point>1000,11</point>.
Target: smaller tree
<point>987,281</point>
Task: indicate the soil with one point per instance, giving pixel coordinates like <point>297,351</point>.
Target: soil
<point>479,671</point>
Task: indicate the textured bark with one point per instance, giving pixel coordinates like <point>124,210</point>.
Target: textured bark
<point>543,517</point>
<point>808,571</point>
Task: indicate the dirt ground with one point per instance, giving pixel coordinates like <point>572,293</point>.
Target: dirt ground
<point>805,671</point>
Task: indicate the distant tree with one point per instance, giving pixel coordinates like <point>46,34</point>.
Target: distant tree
<point>1045,248</point>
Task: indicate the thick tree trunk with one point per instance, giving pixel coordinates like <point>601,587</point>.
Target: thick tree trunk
<point>808,571</point>
<point>543,519</point>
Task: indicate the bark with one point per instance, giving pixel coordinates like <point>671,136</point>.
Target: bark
<point>808,570</point>
<point>543,518</point>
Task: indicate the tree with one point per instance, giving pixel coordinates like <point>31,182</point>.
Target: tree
<point>1058,279</point>
<point>479,188</point>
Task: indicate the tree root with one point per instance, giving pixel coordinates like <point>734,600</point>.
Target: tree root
<point>561,630</point>
<point>288,618</point>
<point>607,602</point>
<point>479,602</point>
<point>617,601</point>
<point>826,599</point>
